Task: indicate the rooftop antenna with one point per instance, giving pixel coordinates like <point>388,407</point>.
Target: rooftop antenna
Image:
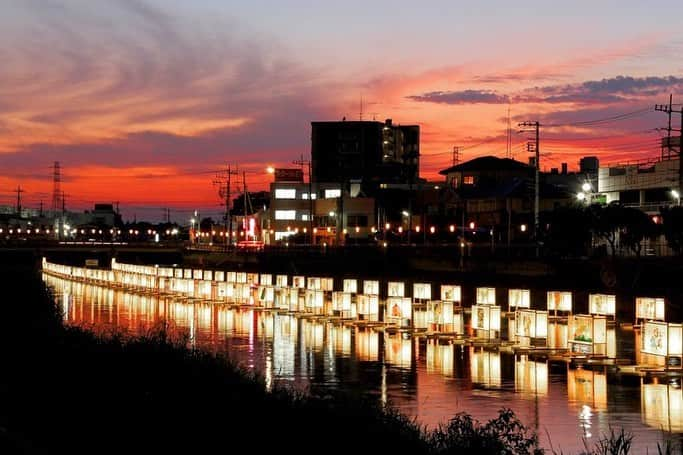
<point>360,116</point>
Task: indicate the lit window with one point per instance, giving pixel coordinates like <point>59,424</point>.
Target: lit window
<point>468,180</point>
<point>304,195</point>
<point>285,214</point>
<point>304,217</point>
<point>329,194</point>
<point>285,193</point>
<point>282,235</point>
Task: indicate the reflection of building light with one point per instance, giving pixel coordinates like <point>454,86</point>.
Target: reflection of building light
<point>662,406</point>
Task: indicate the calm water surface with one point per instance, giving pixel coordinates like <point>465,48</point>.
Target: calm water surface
<point>427,379</point>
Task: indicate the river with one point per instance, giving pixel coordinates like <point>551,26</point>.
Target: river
<point>430,380</point>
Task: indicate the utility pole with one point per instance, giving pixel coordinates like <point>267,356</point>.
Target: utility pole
<point>456,155</point>
<point>301,162</point>
<point>668,109</point>
<point>56,187</point>
<point>537,165</point>
<point>223,180</point>
<point>19,191</point>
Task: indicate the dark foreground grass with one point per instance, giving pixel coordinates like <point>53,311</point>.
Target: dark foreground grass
<point>64,390</point>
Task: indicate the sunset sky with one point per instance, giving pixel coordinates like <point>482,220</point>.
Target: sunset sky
<point>142,101</point>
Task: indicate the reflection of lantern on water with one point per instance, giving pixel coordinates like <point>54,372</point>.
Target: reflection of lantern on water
<point>284,344</point>
<point>313,335</point>
<point>396,289</point>
<point>518,298</point>
<point>588,334</point>
<point>266,321</point>
<point>486,296</point>
<point>398,349</point>
<point>649,308</point>
<point>661,406</point>
<point>486,321</point>
<point>367,345</point>
<point>661,344</point>
<point>339,337</point>
<point>531,327</point>
<point>440,357</point>
<point>559,301</point>
<point>485,367</point>
<point>531,377</point>
<point>586,387</point>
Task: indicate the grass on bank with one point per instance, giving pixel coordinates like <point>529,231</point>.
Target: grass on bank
<point>64,390</point>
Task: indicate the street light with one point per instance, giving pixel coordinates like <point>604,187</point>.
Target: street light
<point>676,195</point>
<point>581,196</point>
<point>586,187</point>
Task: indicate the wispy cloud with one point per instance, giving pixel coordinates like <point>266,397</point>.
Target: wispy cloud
<point>462,97</point>
<point>619,89</point>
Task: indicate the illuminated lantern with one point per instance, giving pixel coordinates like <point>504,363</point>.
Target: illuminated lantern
<point>518,298</point>
<point>396,289</point>
<point>559,301</point>
<point>588,334</point>
<point>649,308</point>
<point>602,304</point>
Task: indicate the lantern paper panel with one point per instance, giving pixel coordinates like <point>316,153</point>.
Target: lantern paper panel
<point>266,279</point>
<point>486,296</point>
<point>371,287</point>
<point>187,274</point>
<point>327,284</point>
<point>299,282</point>
<point>650,308</point>
<point>602,304</point>
<point>451,293</point>
<point>350,285</point>
<point>486,317</point>
<point>314,283</point>
<point>559,301</point>
<point>399,308</point>
<point>531,324</point>
<point>422,291</point>
<point>231,277</point>
<point>396,289</point>
<point>281,281</point>
<point>519,298</point>
<point>241,277</point>
<point>368,306</point>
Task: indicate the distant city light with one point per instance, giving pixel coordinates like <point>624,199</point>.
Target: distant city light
<point>472,224</point>
<point>270,170</point>
<point>586,187</point>
<point>581,196</point>
<point>522,228</point>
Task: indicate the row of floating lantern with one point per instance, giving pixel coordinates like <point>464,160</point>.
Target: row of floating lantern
<point>583,334</point>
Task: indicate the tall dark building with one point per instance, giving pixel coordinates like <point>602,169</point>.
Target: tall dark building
<point>373,152</point>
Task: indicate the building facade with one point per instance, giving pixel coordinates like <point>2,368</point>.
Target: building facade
<point>369,152</point>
